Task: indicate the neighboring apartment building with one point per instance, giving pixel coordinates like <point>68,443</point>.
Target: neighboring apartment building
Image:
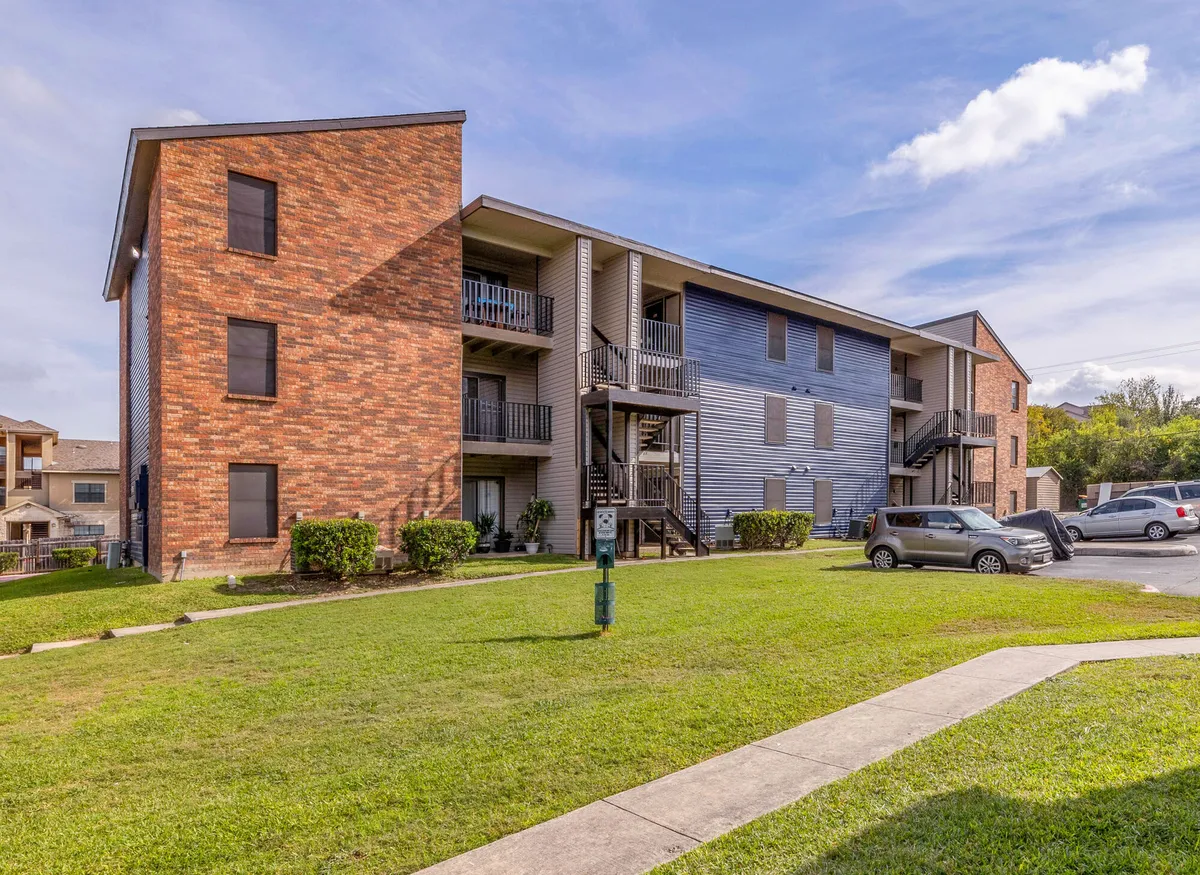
<point>1077,412</point>
<point>312,325</point>
<point>53,487</point>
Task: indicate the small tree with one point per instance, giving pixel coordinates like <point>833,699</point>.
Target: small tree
<point>536,512</point>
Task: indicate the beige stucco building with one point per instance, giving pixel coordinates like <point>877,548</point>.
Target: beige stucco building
<point>52,487</point>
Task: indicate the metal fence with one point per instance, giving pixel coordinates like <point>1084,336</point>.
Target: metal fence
<point>37,556</point>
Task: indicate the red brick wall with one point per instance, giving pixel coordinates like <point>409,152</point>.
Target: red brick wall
<point>993,395</point>
<point>365,293</point>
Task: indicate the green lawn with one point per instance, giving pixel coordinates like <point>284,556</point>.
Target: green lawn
<point>85,602</point>
<point>1094,771</point>
<point>384,734</point>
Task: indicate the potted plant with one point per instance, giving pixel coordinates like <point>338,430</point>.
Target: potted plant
<point>485,525</point>
<point>503,542</point>
<point>536,512</point>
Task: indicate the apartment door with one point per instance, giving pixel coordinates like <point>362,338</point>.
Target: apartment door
<point>483,407</point>
<point>483,495</point>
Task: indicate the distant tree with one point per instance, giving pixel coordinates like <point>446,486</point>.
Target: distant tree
<point>1144,402</point>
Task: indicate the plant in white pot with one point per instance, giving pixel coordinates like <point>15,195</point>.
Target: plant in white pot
<point>536,512</point>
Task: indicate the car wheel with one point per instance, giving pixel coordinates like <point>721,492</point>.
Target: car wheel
<point>1157,531</point>
<point>990,562</point>
<point>1076,534</point>
<point>884,557</point>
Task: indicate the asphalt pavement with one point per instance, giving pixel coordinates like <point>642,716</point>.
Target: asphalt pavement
<point>1175,575</point>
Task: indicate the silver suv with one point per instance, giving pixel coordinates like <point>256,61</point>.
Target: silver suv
<point>963,537</point>
<point>1174,492</point>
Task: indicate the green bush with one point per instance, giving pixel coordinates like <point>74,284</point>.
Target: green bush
<point>73,557</point>
<point>772,529</point>
<point>435,545</point>
<point>8,562</point>
<point>339,548</point>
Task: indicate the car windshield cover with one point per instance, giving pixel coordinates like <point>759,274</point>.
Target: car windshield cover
<point>977,520</point>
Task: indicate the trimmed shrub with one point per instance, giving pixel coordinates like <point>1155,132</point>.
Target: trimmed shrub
<point>8,562</point>
<point>339,548</point>
<point>435,545</point>
<point>74,557</point>
<point>772,529</point>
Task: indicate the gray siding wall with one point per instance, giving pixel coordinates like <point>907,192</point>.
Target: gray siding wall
<point>139,380</point>
<point>932,369</point>
<point>520,483</point>
<point>729,338</point>
<point>521,374</point>
<point>961,329</point>
<point>558,479</point>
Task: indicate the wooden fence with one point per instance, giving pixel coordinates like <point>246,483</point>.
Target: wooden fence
<point>36,556</point>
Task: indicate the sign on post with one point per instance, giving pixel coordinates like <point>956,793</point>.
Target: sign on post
<point>604,524</point>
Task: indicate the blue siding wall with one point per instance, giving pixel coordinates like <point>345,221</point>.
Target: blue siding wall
<point>729,338</point>
<point>139,379</point>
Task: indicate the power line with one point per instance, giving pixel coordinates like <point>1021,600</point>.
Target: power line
<point>1118,355</point>
<point>1119,362</point>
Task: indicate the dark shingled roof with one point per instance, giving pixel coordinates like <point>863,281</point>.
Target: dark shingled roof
<point>77,455</point>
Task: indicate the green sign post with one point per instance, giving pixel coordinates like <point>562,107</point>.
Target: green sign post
<point>605,525</point>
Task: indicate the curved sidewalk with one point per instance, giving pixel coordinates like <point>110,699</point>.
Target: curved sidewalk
<point>636,830</point>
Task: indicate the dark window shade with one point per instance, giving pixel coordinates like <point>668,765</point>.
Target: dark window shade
<point>777,337</point>
<point>823,432</point>
<point>774,493</point>
<point>824,348</point>
<point>822,502</point>
<point>251,357</point>
<point>251,214</point>
<point>89,493</point>
<point>776,416</point>
<point>1016,395</point>
<point>1014,449</point>
<point>39,530</point>
<point>253,501</point>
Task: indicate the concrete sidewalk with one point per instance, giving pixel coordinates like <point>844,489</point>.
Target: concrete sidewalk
<point>638,829</point>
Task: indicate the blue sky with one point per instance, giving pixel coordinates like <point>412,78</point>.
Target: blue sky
<point>779,140</point>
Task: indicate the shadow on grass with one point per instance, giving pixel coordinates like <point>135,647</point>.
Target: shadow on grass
<point>536,639</point>
<point>96,577</point>
<point>1149,826</point>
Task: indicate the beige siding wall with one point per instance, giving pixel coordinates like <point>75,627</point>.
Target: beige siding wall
<point>610,300</point>
<point>520,374</point>
<point>564,278</point>
<point>933,370</point>
<point>61,497</point>
<point>1043,491</point>
<point>520,275</point>
<point>961,329</point>
<point>520,484</point>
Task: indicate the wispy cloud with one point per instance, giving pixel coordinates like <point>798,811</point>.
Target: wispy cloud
<point>20,87</point>
<point>998,127</point>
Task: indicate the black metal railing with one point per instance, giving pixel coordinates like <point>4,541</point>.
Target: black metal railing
<point>634,485</point>
<point>502,307</point>
<point>896,457</point>
<point>982,493</point>
<point>641,370</point>
<point>948,423</point>
<point>906,388</point>
<point>28,480</point>
<point>505,421</point>
<point>661,337</point>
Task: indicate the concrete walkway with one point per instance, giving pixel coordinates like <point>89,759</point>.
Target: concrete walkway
<point>634,831</point>
<point>1133,549</point>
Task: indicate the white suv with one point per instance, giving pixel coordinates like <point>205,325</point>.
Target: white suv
<point>1173,492</point>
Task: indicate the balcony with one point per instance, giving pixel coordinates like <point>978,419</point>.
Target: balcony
<point>661,337</point>
<point>896,456</point>
<point>907,391</point>
<point>28,480</point>
<point>946,428</point>
<point>639,380</point>
<point>504,309</point>
<point>505,428</point>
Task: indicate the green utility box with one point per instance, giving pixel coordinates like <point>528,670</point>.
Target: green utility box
<point>606,601</point>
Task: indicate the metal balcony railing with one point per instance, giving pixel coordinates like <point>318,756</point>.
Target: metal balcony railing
<point>502,307</point>
<point>896,457</point>
<point>661,337</point>
<point>28,480</point>
<point>906,388</point>
<point>505,421</point>
<point>640,370</point>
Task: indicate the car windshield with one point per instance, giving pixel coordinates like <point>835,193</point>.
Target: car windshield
<point>976,520</point>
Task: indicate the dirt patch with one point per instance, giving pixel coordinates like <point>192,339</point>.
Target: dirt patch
<point>316,584</point>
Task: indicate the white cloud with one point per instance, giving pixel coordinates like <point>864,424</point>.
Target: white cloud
<point>997,127</point>
<point>173,117</point>
<point>1091,380</point>
<point>19,86</point>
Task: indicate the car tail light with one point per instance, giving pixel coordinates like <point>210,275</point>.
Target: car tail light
<point>1180,512</point>
<point>871,527</point>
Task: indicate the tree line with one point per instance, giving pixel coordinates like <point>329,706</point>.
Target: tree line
<point>1139,431</point>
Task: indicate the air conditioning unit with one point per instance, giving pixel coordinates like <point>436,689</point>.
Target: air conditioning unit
<point>725,536</point>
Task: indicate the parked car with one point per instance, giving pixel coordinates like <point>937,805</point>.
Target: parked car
<point>1179,493</point>
<point>1148,516</point>
<point>962,537</point>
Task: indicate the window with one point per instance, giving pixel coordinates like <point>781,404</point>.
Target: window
<point>1167,492</point>
<point>1107,508</point>
<point>39,530</point>
<point>1129,504</point>
<point>942,519</point>
<point>1191,491</point>
<point>908,519</point>
<point>87,531</point>
<point>31,463</point>
<point>253,501</point>
<point>776,419</point>
<point>89,493</point>
<point>251,358</point>
<point>486,277</point>
<point>251,214</point>
<point>483,495</point>
<point>774,493</point>
<point>1012,501</point>
<point>777,324</point>
<point>824,349</point>
<point>483,407</point>
<point>1016,395</point>
<point>1014,449</point>
<point>823,432</point>
<point>822,502</point>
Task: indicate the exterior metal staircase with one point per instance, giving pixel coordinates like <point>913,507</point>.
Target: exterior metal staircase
<point>647,486</point>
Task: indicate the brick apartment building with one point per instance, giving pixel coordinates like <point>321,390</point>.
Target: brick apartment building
<point>313,325</point>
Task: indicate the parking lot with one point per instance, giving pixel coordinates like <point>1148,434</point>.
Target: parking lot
<point>1176,575</point>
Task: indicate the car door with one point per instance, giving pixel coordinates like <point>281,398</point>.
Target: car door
<point>1134,516</point>
<point>1102,521</point>
<point>946,538</point>
<point>906,527</point>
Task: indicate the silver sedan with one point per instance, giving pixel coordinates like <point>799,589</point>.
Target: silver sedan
<point>1144,516</point>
